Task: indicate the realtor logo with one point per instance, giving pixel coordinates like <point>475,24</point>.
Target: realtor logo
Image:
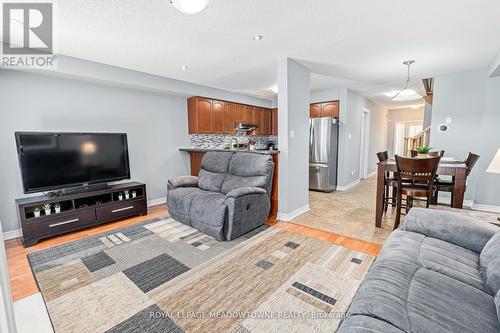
<point>27,35</point>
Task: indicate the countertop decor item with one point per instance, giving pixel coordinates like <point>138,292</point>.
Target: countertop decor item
<point>494,166</point>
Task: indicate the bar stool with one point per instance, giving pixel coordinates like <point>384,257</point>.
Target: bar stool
<point>390,181</point>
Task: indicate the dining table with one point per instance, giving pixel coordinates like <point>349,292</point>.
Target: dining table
<point>447,167</point>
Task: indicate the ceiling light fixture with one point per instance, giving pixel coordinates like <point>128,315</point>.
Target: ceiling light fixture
<point>184,67</point>
<point>405,94</point>
<point>257,37</point>
<point>190,7</point>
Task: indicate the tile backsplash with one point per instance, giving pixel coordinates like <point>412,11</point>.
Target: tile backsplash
<point>219,141</point>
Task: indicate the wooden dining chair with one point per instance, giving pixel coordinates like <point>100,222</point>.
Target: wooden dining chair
<point>449,185</point>
<point>390,181</point>
<point>415,179</point>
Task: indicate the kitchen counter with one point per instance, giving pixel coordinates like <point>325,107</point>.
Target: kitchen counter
<point>204,150</point>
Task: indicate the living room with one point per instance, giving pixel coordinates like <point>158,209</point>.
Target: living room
<point>160,172</point>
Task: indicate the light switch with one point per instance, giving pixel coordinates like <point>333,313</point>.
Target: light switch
<point>292,134</point>
<point>349,136</point>
<point>448,120</point>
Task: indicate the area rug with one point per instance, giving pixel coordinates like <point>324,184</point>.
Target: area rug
<point>163,276</point>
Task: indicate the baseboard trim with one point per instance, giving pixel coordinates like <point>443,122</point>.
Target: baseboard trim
<point>371,174</point>
<point>12,234</point>
<point>158,201</point>
<point>446,200</point>
<point>348,186</point>
<point>294,214</point>
<point>486,208</point>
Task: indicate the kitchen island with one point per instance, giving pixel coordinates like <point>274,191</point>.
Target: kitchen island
<point>196,155</point>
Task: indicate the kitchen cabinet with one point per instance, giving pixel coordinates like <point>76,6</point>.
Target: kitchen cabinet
<point>274,121</point>
<point>217,117</point>
<point>325,109</point>
<point>265,118</point>
<point>229,118</point>
<point>315,110</point>
<point>210,116</point>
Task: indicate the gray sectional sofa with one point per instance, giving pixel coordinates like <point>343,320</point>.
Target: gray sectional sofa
<point>441,274</point>
<point>230,196</point>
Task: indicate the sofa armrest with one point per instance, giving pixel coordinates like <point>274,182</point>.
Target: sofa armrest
<point>239,192</point>
<point>451,227</point>
<point>183,181</point>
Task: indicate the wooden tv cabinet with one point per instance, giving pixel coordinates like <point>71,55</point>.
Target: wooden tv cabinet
<point>79,210</point>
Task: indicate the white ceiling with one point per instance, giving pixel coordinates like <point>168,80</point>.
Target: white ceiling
<point>350,43</point>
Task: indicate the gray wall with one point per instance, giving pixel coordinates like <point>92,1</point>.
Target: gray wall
<point>471,99</point>
<point>395,115</point>
<point>378,132</point>
<point>156,126</point>
<point>293,104</point>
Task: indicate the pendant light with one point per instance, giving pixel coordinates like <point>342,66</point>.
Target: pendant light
<point>190,7</point>
<point>406,94</point>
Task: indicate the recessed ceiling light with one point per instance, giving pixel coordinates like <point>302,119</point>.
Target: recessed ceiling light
<point>190,7</point>
<point>184,67</point>
<point>257,37</point>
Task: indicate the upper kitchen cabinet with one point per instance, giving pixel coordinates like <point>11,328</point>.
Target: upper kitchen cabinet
<point>229,117</point>
<point>200,115</point>
<point>315,110</point>
<point>326,109</point>
<point>218,117</point>
<point>210,116</point>
<point>274,121</point>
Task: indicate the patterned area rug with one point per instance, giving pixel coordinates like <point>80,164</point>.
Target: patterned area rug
<point>164,276</point>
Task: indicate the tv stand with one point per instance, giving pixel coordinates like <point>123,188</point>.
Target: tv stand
<point>79,210</point>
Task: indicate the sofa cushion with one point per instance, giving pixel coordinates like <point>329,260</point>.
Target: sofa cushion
<point>180,199</point>
<point>209,208</point>
<point>210,181</point>
<point>365,324</point>
<point>232,182</point>
<point>452,260</point>
<point>216,161</point>
<point>490,263</point>
<point>399,276</point>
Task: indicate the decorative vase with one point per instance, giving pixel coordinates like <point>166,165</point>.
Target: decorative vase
<point>37,213</point>
<point>120,197</point>
<point>58,210</point>
<point>134,194</point>
<point>47,211</point>
<point>126,195</point>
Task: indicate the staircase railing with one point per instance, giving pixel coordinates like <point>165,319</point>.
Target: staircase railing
<point>412,142</point>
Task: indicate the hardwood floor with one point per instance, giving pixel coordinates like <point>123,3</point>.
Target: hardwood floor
<point>23,283</point>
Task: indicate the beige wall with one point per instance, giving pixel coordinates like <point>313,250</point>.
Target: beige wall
<point>396,115</point>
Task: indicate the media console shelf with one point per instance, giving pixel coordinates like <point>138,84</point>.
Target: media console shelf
<point>79,210</point>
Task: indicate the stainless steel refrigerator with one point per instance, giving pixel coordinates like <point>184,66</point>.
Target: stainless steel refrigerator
<point>323,152</point>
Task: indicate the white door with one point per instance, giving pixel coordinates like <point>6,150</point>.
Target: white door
<point>7,322</point>
<point>364,144</point>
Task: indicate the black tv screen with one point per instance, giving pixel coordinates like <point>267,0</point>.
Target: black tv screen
<point>50,161</point>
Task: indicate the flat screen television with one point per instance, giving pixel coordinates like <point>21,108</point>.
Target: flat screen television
<point>52,161</point>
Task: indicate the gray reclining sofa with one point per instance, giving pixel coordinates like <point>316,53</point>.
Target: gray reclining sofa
<point>229,197</point>
<point>441,274</point>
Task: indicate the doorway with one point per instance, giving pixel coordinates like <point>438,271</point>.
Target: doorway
<point>364,144</point>
<point>403,129</point>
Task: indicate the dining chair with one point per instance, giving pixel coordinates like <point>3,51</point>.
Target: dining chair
<point>389,182</point>
<point>415,179</point>
<point>443,185</point>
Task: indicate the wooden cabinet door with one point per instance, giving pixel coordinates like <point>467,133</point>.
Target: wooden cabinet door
<point>204,115</point>
<point>315,110</point>
<point>217,117</point>
<point>330,109</point>
<point>229,118</point>
<point>248,114</point>
<point>239,111</point>
<point>257,120</point>
<point>266,122</point>
<point>274,121</point>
